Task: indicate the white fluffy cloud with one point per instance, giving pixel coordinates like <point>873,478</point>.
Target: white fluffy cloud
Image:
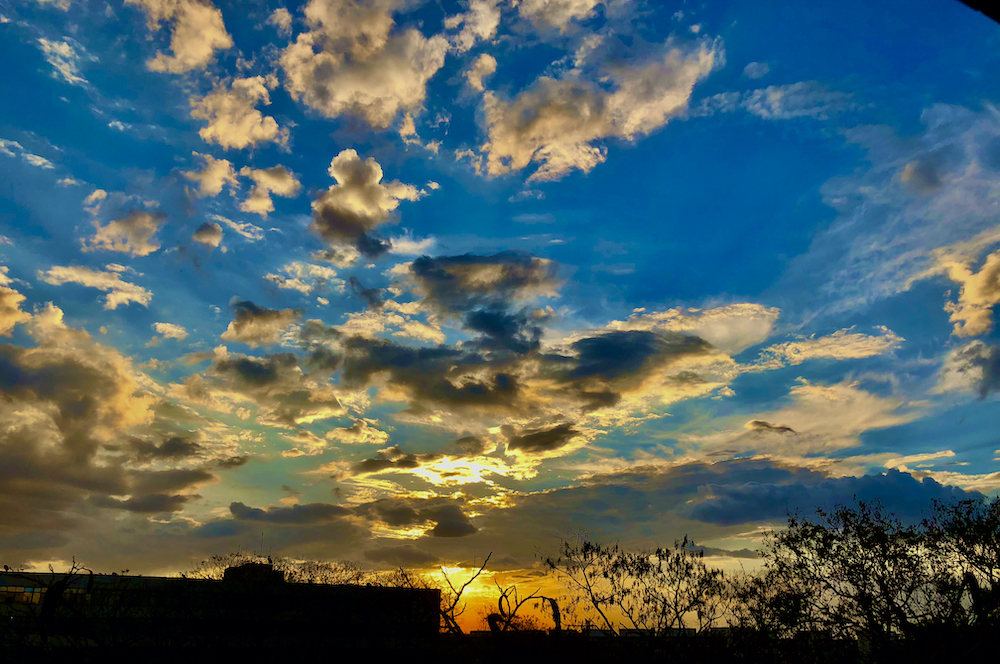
<point>359,201</point>
<point>478,24</point>
<point>197,32</point>
<point>133,234</point>
<point>266,181</point>
<point>557,14</point>
<point>232,116</point>
<point>979,289</point>
<point>482,67</point>
<point>118,291</point>
<point>10,305</point>
<point>213,176</point>
<point>305,278</point>
<point>248,231</point>
<point>63,58</point>
<point>171,331</point>
<point>731,328</point>
<point>281,19</point>
<point>349,63</point>
<point>359,433</point>
<point>841,345</point>
<point>13,149</point>
<point>558,123</point>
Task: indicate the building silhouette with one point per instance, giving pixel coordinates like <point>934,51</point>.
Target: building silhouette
<point>252,606</point>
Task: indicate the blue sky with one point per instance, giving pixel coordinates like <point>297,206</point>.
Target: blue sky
<point>398,282</point>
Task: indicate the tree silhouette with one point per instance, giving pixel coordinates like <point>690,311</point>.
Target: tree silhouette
<point>659,592</point>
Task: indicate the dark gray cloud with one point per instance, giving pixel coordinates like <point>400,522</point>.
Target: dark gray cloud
<point>901,493</point>
<point>537,441</point>
<point>256,326</point>
<point>258,371</point>
<point>405,555</point>
<point>232,462</point>
<point>620,356</point>
<point>285,395</point>
<point>209,234</point>
<point>987,360</point>
<point>311,513</point>
<point>504,330</point>
<point>371,245</point>
<point>156,503</point>
<point>433,376</point>
<point>391,458</point>
<point>458,284</point>
<point>164,481</point>
<point>370,296</point>
<point>171,449</point>
<point>604,366</point>
<point>447,515</point>
<point>761,425</point>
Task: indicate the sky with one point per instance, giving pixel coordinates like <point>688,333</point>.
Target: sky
<point>408,282</point>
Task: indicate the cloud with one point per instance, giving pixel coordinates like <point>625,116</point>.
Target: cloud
<point>170,330</point>
<point>557,123</point>
<point>343,256</point>
<point>197,32</point>
<point>296,514</point>
<point>258,326</point>
<point>538,441</point>
<point>208,234</point>
<point>731,328</point>
<point>841,345</point>
<point>214,176</point>
<point>10,305</point>
<point>885,234</point>
<point>797,100</point>
<point>456,284</point>
<point>156,503</point>
<point>901,494</point>
<point>820,419</point>
<point>359,433</point>
<point>281,19</point>
<point>448,517</point>
<point>407,245</point>
<point>756,70</point>
<point>13,149</point>
<point>557,14</point>
<point>59,4</point>
<point>248,231</point>
<point>118,291</point>
<point>371,296</point>
<point>402,555</point>
<point>133,234</point>
<point>283,395</point>
<point>974,366</point>
<point>478,24</point>
<point>350,62</point>
<point>979,293</point>
<point>64,401</point>
<point>266,181</point>
<point>306,278</point>
<point>482,68</point>
<point>233,120</point>
<point>359,202</point>
<point>64,59</point>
